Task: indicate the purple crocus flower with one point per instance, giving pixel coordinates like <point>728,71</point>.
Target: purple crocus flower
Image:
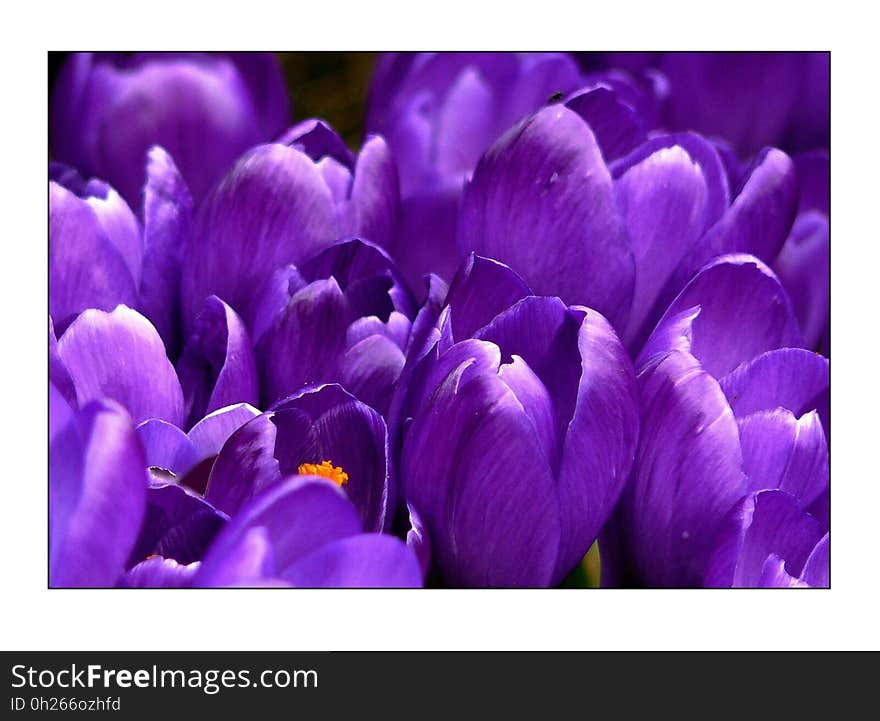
<point>281,204</point>
<point>95,247</point>
<point>731,404</point>
<point>622,238</point>
<point>341,316</point>
<point>206,109</point>
<point>320,430</point>
<point>439,113</point>
<point>518,439</point>
<point>97,492</point>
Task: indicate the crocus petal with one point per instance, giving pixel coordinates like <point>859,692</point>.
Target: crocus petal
<point>424,324</point>
<point>541,201</point>
<point>210,433</point>
<point>368,560</point>
<point>85,269</point>
<point>293,518</point>
<point>374,193</point>
<point>168,209</point>
<point>273,208</point>
<point>781,451</point>
<point>370,368</point>
<point>159,573</point>
<point>791,378</point>
<point>474,470</point>
<point>763,523</point>
<point>217,367</point>
<point>246,463</point>
<point>616,125</point>
<point>178,525</point>
<point>600,441</point>
<point>306,342</point>
<point>120,355</point>
<point>664,203</point>
<point>118,222</point>
<point>245,561</point>
<point>97,488</point>
<point>687,473</point>
<point>702,152</point>
<point>803,268</point>
<point>167,447</point>
<point>273,298</point>
<point>743,312</point>
<point>538,406</point>
<point>817,568</point>
<point>480,290</point>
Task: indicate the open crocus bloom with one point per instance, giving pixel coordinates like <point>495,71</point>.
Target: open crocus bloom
<point>731,404</point>
<point>320,429</point>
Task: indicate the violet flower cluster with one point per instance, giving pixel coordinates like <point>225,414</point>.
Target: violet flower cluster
<point>555,307</point>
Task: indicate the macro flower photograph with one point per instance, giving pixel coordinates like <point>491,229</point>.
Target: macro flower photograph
<point>439,320</point>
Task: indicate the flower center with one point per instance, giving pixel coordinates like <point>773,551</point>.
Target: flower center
<point>325,470</point>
